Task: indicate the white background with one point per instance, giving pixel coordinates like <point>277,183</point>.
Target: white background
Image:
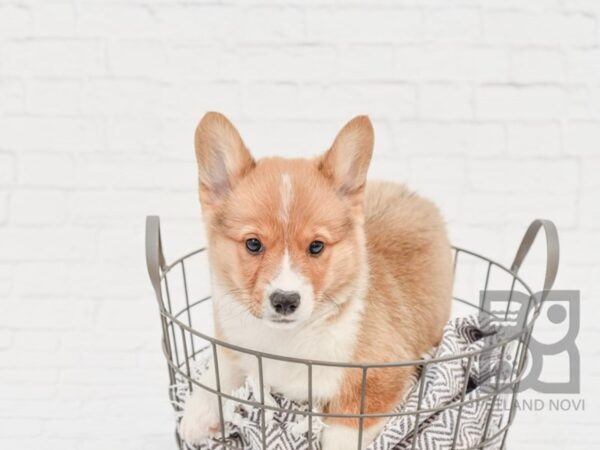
<point>491,108</point>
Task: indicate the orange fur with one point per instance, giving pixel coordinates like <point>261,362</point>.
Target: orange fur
<point>409,294</point>
<point>383,244</point>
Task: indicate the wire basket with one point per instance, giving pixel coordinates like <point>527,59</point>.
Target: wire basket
<point>187,340</point>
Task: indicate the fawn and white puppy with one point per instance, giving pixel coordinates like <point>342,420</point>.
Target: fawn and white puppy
<point>308,260</point>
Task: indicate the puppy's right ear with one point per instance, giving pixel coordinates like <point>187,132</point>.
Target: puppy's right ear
<point>222,157</point>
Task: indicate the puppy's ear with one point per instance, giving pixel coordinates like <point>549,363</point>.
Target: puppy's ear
<point>347,162</point>
<point>222,157</point>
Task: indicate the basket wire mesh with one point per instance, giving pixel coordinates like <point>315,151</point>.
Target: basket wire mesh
<point>185,342</point>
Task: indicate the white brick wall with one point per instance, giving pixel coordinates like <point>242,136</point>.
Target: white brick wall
<point>491,107</point>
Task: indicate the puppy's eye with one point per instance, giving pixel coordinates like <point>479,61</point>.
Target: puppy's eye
<point>254,246</point>
<point>316,247</point>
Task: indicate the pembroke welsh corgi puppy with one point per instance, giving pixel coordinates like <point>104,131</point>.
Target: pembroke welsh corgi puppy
<point>308,260</point>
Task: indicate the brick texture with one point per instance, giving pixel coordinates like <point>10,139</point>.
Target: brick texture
<point>492,108</point>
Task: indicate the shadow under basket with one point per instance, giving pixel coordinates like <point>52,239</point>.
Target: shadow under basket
<point>462,398</point>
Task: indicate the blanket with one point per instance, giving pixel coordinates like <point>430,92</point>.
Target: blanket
<point>444,385</point>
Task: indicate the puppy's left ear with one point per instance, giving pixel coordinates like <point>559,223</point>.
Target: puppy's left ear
<point>347,162</point>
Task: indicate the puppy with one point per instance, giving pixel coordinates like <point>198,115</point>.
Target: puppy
<point>309,261</point>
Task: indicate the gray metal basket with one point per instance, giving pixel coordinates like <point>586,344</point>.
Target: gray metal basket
<point>182,342</point>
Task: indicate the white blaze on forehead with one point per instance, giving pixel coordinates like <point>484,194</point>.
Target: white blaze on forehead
<point>285,189</point>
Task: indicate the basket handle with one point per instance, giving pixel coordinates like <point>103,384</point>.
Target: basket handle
<point>552,251</point>
<point>155,260</point>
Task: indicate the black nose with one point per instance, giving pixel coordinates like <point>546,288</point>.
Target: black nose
<point>285,302</point>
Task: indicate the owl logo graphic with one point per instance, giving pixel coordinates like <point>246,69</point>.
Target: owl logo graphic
<point>551,365</point>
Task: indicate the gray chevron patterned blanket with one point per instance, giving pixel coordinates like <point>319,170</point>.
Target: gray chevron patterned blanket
<point>446,386</point>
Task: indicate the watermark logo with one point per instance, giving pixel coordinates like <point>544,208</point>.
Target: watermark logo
<point>510,315</point>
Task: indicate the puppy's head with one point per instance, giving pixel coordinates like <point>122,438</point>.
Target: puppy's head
<point>286,236</point>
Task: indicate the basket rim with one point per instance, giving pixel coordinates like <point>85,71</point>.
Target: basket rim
<point>525,329</point>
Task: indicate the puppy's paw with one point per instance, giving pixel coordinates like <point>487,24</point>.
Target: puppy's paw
<point>337,437</point>
<point>200,418</point>
<point>340,437</point>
